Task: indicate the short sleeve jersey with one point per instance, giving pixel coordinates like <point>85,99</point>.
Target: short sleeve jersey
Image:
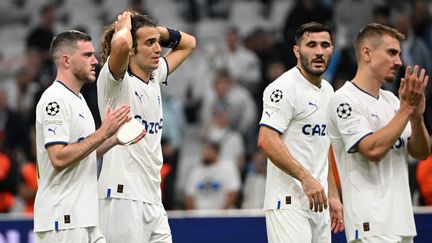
<point>65,199</point>
<point>376,196</point>
<point>133,171</point>
<point>297,110</point>
<point>210,185</point>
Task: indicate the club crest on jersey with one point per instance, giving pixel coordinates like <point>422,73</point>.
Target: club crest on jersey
<point>276,95</point>
<point>52,108</point>
<point>344,110</point>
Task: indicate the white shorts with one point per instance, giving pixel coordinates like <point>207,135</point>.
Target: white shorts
<point>298,226</point>
<point>385,239</point>
<point>78,235</point>
<point>130,221</point>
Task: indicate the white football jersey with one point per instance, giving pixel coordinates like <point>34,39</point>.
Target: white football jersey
<point>133,171</point>
<point>297,110</point>
<point>210,185</point>
<point>376,196</point>
<point>65,199</point>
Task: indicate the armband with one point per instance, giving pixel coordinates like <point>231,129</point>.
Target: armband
<point>174,37</point>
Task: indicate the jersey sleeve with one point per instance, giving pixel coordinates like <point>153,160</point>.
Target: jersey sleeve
<point>349,121</point>
<point>278,109</point>
<point>107,85</point>
<point>162,71</point>
<point>54,119</point>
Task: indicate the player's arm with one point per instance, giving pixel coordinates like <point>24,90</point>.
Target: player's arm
<point>181,43</point>
<point>270,142</point>
<point>121,45</point>
<point>419,143</point>
<point>63,156</point>
<point>375,146</point>
<point>336,209</point>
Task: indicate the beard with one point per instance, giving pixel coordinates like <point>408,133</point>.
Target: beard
<point>308,68</point>
<point>84,76</point>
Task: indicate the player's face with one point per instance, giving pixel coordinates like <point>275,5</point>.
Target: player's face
<point>148,50</point>
<point>314,52</point>
<point>83,62</point>
<point>385,58</point>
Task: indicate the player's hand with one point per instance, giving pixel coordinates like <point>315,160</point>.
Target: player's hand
<point>412,90</point>
<point>123,21</point>
<point>336,214</point>
<point>114,119</point>
<point>315,193</point>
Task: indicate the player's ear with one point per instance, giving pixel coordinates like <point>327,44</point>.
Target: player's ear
<point>296,50</point>
<point>65,60</point>
<point>366,54</point>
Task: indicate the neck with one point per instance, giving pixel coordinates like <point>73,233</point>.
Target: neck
<point>367,82</point>
<point>71,82</point>
<point>315,80</point>
<point>142,74</point>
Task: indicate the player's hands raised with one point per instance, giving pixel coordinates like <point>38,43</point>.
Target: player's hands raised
<point>336,214</point>
<point>315,193</point>
<point>114,119</point>
<point>412,89</point>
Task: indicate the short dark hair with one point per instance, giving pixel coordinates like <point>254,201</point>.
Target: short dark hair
<point>66,41</point>
<point>375,31</point>
<point>311,27</point>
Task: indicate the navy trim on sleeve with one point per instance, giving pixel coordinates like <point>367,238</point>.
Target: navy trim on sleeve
<point>55,142</point>
<point>353,148</point>
<point>166,78</point>
<point>265,125</point>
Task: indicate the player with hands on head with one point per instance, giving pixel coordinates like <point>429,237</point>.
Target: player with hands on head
<point>300,184</point>
<point>129,184</point>
<point>66,205</point>
<point>372,132</point>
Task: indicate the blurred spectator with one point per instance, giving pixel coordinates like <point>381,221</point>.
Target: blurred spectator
<point>8,182</point>
<point>424,180</point>
<point>28,184</point>
<point>214,184</point>
<point>302,12</point>
<point>254,186</point>
<point>12,12</point>
<point>242,110</point>
<point>350,16</point>
<point>381,15</point>
<point>422,20</point>
<point>232,147</point>
<point>242,64</point>
<point>174,122</point>
<point>22,91</point>
<point>40,36</point>
<point>14,135</point>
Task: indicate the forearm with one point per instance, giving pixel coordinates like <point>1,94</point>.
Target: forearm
<point>418,143</point>
<point>332,189</point>
<point>63,156</point>
<point>106,145</point>
<point>375,146</point>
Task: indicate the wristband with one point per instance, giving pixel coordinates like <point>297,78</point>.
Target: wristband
<point>174,37</point>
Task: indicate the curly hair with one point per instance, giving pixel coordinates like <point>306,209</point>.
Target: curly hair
<point>137,21</point>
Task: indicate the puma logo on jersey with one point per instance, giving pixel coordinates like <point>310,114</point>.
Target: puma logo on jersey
<point>313,104</point>
<point>314,130</point>
<point>53,130</point>
<point>267,113</point>
<point>81,115</point>
<point>375,116</point>
<point>140,96</point>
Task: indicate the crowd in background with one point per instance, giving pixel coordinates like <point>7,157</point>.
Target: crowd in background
<point>213,103</point>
